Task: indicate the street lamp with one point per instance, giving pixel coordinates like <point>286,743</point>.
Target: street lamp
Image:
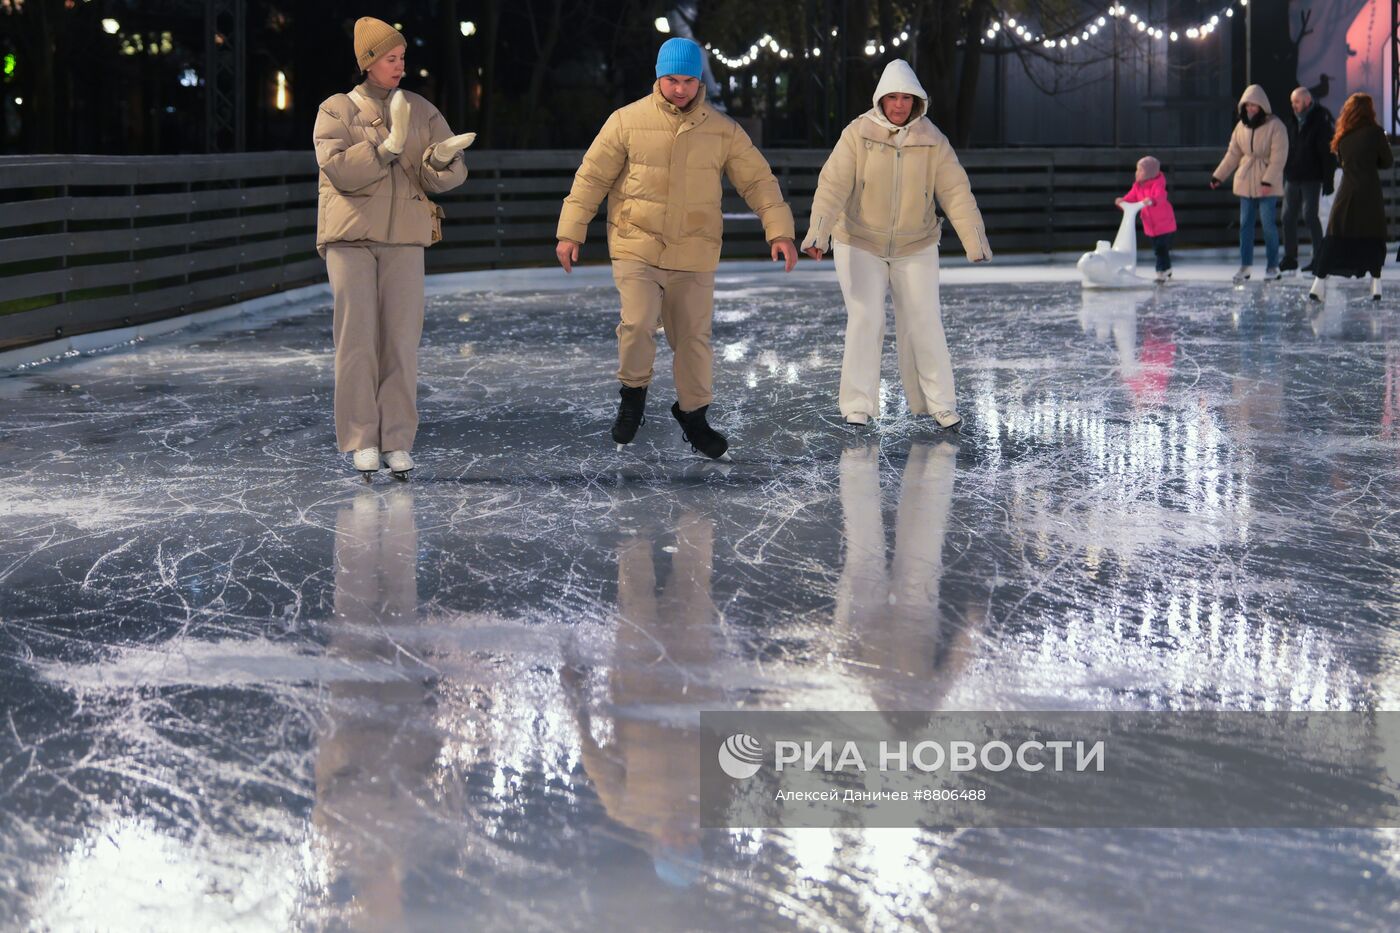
<point>468,28</point>
<point>663,24</point>
<point>110,26</point>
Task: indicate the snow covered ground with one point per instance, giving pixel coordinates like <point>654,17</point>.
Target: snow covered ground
<point>241,689</point>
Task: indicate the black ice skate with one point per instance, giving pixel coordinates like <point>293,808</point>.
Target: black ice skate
<point>630,415</point>
<point>701,437</point>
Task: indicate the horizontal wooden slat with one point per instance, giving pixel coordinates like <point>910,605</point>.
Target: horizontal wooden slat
<point>126,239</point>
<point>443,257</point>
<point>70,170</point>
<point>51,210</point>
<point>1034,199</point>
<point>108,275</point>
<point>121,310</point>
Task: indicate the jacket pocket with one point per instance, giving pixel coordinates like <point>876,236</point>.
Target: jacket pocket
<point>700,223</point>
<point>930,206</point>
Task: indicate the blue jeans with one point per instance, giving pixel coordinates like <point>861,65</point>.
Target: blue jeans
<point>1266,209</point>
<point>1162,246</point>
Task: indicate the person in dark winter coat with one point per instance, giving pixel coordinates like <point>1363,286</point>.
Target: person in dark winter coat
<point>1307,176</point>
<point>1355,241</point>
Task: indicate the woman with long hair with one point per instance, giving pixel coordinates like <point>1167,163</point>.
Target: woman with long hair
<point>1355,241</point>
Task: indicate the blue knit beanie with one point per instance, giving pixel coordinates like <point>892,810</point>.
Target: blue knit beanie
<point>679,57</point>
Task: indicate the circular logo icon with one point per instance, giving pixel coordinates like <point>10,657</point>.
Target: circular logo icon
<point>740,756</point>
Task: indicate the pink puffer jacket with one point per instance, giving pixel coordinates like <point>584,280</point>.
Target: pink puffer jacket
<point>1159,218</point>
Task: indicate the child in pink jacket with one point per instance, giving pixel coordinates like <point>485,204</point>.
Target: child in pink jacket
<point>1158,218</point>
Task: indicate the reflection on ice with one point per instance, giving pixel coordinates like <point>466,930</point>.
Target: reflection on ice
<point>644,769</point>
<point>129,875</point>
<point>896,639</point>
<point>475,695</point>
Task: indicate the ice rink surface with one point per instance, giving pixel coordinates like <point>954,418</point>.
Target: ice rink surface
<point>243,690</point>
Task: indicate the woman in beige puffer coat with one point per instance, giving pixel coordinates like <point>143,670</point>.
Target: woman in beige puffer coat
<point>381,152</point>
<point>878,198</point>
<point>1257,153</point>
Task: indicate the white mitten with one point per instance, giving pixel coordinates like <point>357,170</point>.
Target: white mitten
<point>445,151</point>
<point>400,116</point>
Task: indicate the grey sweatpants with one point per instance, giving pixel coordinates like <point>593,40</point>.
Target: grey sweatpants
<point>378,323</point>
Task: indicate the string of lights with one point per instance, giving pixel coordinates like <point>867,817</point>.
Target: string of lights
<point>1004,28</point>
<point>1007,27</point>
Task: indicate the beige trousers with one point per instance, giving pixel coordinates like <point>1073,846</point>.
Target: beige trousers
<point>684,303</point>
<point>378,322</point>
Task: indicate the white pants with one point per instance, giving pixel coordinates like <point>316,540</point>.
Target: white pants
<point>924,364</point>
<point>889,613</point>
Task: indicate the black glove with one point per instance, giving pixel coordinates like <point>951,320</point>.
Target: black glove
<point>1327,186</point>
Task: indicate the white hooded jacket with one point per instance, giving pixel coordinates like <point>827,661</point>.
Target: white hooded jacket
<point>881,185</point>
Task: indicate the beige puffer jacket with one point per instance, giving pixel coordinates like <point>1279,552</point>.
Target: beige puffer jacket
<point>660,169</point>
<point>881,185</point>
<point>1258,153</point>
<point>365,198</point>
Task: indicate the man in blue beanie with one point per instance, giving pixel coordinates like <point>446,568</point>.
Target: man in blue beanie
<point>659,161</point>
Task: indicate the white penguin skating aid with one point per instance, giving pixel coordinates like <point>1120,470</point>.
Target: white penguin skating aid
<point>1115,265</point>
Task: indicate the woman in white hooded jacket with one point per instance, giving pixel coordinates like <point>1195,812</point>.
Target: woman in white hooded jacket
<point>877,198</point>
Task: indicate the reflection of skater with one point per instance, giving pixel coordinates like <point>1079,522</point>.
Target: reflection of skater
<point>890,612</point>
<point>1355,241</point>
<point>381,151</point>
<point>659,162</point>
<point>1256,156</point>
<point>648,776</point>
<point>1158,218</point>
<point>378,745</point>
<point>1307,176</point>
<point>1145,367</point>
<point>877,198</point>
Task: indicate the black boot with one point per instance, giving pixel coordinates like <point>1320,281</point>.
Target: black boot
<point>703,438</point>
<point>630,414</point>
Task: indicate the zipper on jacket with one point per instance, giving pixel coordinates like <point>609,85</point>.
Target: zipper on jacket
<point>393,201</point>
<point>393,187</point>
<point>1251,155</point>
<point>894,202</point>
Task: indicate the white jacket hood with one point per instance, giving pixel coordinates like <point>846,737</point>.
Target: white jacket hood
<point>1254,94</point>
<point>899,78</point>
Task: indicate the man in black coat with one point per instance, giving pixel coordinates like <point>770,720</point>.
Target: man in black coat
<point>1307,175</point>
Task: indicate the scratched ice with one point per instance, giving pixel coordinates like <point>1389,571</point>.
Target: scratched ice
<point>243,690</point>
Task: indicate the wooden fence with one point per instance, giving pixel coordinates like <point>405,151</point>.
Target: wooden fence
<point>93,242</point>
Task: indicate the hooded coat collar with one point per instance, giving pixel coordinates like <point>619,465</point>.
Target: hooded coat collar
<point>899,78</point>
<point>1254,94</point>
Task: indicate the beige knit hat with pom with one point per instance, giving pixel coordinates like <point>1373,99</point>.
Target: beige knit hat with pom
<point>373,38</point>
